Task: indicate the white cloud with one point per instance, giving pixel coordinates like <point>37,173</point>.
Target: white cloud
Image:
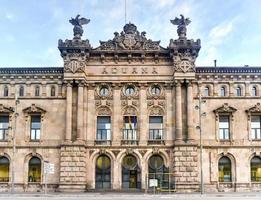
<point>9,16</point>
<point>218,33</point>
<point>161,3</point>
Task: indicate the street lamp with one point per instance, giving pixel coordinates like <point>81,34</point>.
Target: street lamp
<point>14,143</point>
<point>201,114</point>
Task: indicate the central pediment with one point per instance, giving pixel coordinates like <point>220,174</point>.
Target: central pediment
<point>130,39</point>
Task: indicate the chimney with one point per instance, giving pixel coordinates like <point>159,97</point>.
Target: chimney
<point>215,63</point>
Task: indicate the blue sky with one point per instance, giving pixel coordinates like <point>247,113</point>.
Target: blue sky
<point>230,30</point>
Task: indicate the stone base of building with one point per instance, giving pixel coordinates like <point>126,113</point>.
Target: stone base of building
<point>72,188</point>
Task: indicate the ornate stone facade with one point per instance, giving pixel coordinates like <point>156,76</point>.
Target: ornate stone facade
<point>123,114</point>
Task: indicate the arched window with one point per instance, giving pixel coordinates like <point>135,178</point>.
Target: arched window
<point>130,90</point>
<point>52,91</point>
<point>206,91</point>
<point>238,92</point>
<point>254,91</point>
<point>224,170</point>
<point>104,91</point>
<point>37,91</point>
<point>5,91</point>
<point>4,169</point>
<point>222,91</point>
<point>34,170</point>
<point>255,169</point>
<point>158,170</point>
<point>155,90</point>
<point>21,91</point>
<point>103,172</point>
<point>131,174</point>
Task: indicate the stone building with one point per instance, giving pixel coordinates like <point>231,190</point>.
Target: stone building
<point>128,115</point>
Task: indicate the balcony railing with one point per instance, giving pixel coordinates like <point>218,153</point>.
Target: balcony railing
<point>129,137</point>
<point>3,135</point>
<point>103,137</point>
<point>156,136</point>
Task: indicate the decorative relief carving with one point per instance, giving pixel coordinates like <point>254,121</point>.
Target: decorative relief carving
<point>255,109</point>
<point>103,91</point>
<point>130,111</point>
<point>74,66</point>
<point>4,109</point>
<point>225,108</point>
<point>155,91</point>
<point>127,94</point>
<point>156,111</point>
<point>184,61</point>
<point>103,110</point>
<point>34,109</point>
<point>129,39</point>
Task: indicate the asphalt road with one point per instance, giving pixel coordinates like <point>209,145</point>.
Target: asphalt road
<point>123,196</point>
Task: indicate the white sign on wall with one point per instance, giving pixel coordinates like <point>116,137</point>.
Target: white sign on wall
<point>48,168</point>
<point>153,183</point>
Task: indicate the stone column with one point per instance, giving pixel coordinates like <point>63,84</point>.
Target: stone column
<point>247,89</point>
<point>215,88</point>
<point>60,89</point>
<point>85,107</point>
<point>80,112</point>
<point>116,117</point>
<point>169,116</point>
<point>190,111</point>
<point>178,107</point>
<point>44,94</point>
<point>142,118</point>
<point>91,116</point>
<point>68,136</point>
<point>231,89</point>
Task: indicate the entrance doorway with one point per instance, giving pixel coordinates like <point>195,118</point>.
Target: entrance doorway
<point>131,175</point>
<point>103,172</point>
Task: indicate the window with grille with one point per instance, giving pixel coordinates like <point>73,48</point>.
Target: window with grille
<point>35,127</point>
<point>4,123</point>
<point>156,128</point>
<point>224,127</point>
<point>103,128</point>
<point>256,127</point>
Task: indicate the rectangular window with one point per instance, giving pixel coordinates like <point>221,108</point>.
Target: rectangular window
<point>35,127</point>
<point>224,128</point>
<point>256,127</point>
<point>4,123</point>
<point>130,128</point>
<point>103,128</point>
<point>156,128</point>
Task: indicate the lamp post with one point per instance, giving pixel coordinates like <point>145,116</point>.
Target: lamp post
<point>14,143</point>
<point>201,114</point>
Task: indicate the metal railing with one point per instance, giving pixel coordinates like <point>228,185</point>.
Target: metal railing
<point>156,136</point>
<point>103,137</point>
<point>3,134</point>
<point>129,137</point>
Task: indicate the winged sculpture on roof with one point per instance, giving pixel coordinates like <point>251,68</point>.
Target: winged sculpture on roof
<point>77,22</point>
<point>181,22</point>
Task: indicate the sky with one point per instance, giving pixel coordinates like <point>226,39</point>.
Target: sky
<point>230,30</point>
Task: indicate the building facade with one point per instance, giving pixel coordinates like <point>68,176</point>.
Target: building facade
<point>131,115</point>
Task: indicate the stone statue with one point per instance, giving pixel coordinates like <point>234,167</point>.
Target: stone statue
<point>181,23</point>
<point>78,22</point>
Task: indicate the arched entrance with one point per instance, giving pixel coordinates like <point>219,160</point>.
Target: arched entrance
<point>224,169</point>
<point>255,164</point>
<point>131,175</point>
<point>4,169</point>
<point>34,170</point>
<point>103,172</point>
<point>158,173</point>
